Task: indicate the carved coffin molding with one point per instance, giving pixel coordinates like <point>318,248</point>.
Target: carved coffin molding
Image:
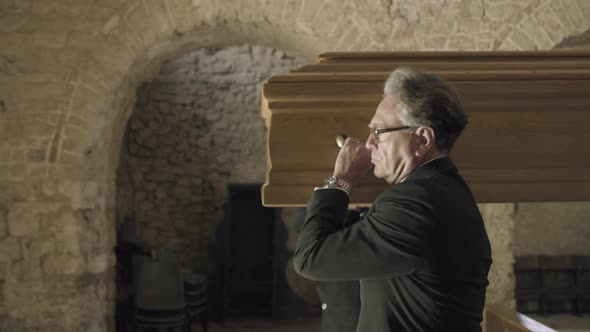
<point>528,137</point>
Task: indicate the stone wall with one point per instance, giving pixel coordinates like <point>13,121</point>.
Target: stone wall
<point>195,128</point>
<point>69,73</point>
<point>553,229</point>
<point>499,222</point>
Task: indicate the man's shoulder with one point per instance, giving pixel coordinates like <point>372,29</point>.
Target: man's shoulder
<point>419,191</point>
<point>406,189</point>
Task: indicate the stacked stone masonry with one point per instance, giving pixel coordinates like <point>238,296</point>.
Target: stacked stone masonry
<point>195,129</point>
<point>70,71</point>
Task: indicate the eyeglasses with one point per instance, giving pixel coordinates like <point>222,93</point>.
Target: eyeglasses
<point>376,132</point>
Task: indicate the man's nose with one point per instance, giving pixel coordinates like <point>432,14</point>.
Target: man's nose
<point>370,143</point>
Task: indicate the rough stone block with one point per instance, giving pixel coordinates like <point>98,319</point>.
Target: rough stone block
<point>60,264</point>
<point>291,12</point>
<point>532,6</point>
<point>505,12</point>
<point>181,192</point>
<point>5,154</point>
<point>112,23</point>
<point>10,249</point>
<point>309,12</point>
<point>38,247</point>
<point>13,42</point>
<point>157,10</point>
<point>530,27</point>
<point>335,28</point>
<point>75,140</point>
<point>557,221</point>
<point>68,170</point>
<point>86,101</point>
<point>362,45</point>
<point>499,211</point>
<point>36,155</point>
<point>100,263</point>
<point>3,223</point>
<point>349,38</point>
<point>326,20</point>
<point>27,269</point>
<point>435,42</point>
<point>115,45</point>
<point>485,42</point>
<point>17,156</point>
<point>232,10</point>
<point>39,128</point>
<point>253,10</point>
<point>551,24</point>
<point>184,14</point>
<point>562,15</point>
<point>272,10</point>
<point>462,43</point>
<point>584,7</point>
<point>40,171</point>
<point>470,26</point>
<point>573,13</point>
<point>23,221</point>
<point>508,45</point>
<point>522,41</point>
<point>71,187</point>
<point>78,121</point>
<point>3,273</point>
<point>69,240</point>
<point>141,22</point>
<point>52,39</point>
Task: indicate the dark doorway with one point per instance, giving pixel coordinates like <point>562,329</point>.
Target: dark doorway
<point>249,286</point>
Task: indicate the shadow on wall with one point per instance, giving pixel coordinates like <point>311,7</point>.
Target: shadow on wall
<point>581,41</point>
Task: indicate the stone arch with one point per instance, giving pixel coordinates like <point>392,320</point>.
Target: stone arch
<point>130,51</point>
<point>135,39</point>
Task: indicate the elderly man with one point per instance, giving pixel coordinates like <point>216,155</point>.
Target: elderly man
<point>421,252</point>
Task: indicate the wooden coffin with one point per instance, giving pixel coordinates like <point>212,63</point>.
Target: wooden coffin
<point>528,137</point>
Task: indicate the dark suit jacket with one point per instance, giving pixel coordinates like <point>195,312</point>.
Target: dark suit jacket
<point>422,253</point>
<point>341,302</point>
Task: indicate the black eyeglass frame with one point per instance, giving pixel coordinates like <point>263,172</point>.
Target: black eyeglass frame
<point>376,132</point>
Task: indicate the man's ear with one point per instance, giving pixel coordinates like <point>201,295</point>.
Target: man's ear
<point>426,140</point>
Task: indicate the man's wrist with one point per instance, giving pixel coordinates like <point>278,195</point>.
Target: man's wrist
<point>328,188</point>
<point>346,177</point>
<point>337,183</point>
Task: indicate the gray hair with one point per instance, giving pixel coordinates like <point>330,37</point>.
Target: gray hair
<point>426,100</point>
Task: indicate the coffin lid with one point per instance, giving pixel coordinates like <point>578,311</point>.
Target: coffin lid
<point>528,138</point>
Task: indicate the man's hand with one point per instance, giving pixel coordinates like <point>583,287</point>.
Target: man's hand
<point>353,161</point>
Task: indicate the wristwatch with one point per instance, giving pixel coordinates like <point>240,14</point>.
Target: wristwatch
<point>338,183</point>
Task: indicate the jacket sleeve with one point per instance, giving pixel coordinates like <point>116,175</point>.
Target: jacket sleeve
<point>390,241</point>
<point>298,218</point>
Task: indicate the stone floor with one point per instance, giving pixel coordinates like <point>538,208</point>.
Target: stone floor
<point>252,325</point>
<point>561,323</point>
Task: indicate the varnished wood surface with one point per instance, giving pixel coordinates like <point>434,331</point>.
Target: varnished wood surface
<point>528,138</point>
